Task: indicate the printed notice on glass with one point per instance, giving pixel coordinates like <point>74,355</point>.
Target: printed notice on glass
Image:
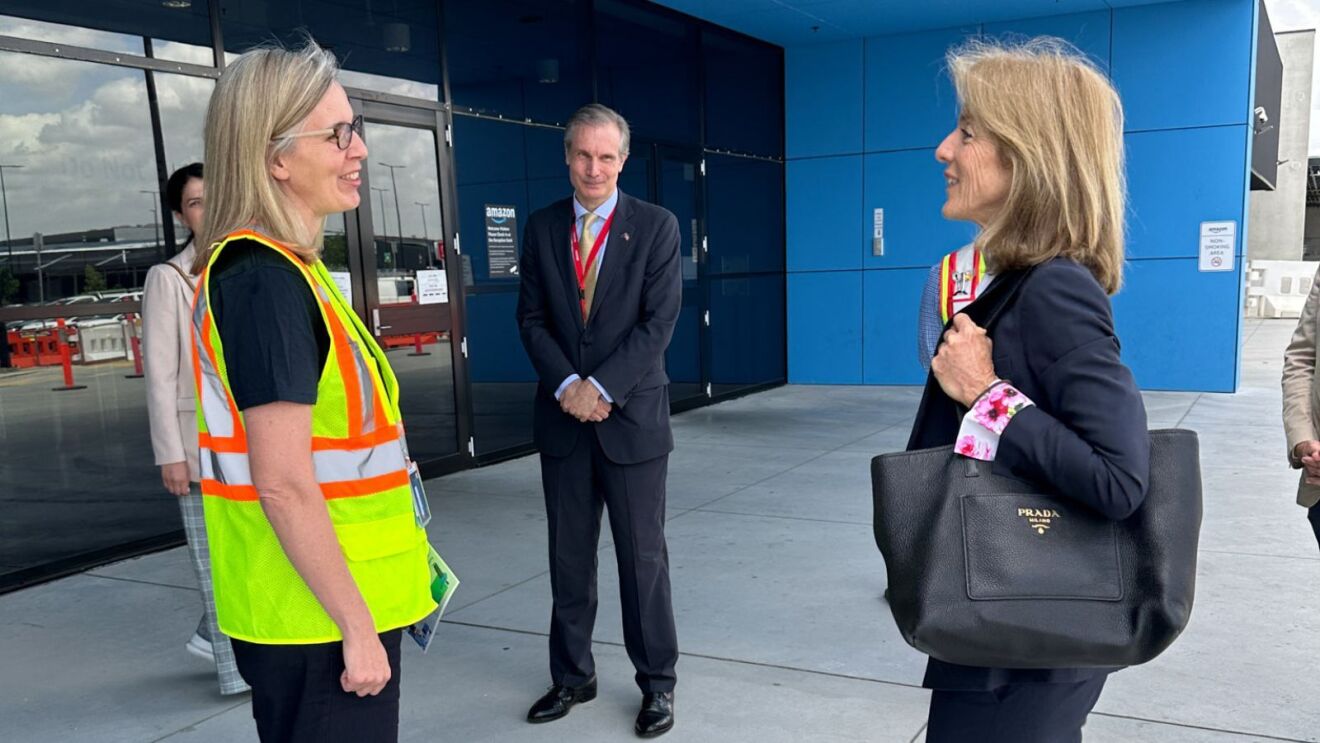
<point>1218,240</point>
<point>344,280</point>
<point>878,232</point>
<point>502,241</point>
<point>432,287</point>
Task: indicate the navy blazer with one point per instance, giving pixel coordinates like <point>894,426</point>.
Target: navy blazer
<point>1085,437</point>
<point>622,344</point>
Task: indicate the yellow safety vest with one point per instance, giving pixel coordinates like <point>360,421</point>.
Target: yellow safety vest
<point>961,275</point>
<point>360,462</point>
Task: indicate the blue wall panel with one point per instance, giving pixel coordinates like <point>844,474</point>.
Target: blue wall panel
<point>1184,64</point>
<point>825,327</point>
<point>1178,179</point>
<point>825,214</point>
<point>823,94</point>
<point>1179,327</point>
<point>910,101</point>
<point>909,185</point>
<point>1089,32</point>
<point>889,343</point>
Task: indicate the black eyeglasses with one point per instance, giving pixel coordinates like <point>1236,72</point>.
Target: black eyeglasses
<point>343,132</point>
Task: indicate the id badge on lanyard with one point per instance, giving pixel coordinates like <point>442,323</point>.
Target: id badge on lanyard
<point>421,506</point>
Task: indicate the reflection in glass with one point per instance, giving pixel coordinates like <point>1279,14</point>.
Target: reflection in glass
<point>518,58</point>
<point>395,44</point>
<point>117,26</point>
<point>648,71</point>
<point>78,221</point>
<point>412,315</point>
<point>77,474</point>
<point>744,95</point>
<point>58,33</point>
<point>174,51</point>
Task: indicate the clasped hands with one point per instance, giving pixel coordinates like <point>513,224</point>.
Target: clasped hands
<point>583,401</point>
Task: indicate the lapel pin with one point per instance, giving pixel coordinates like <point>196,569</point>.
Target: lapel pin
<point>625,237</point>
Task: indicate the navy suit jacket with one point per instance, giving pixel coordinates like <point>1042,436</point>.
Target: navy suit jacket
<point>622,345</point>
<point>1085,437</point>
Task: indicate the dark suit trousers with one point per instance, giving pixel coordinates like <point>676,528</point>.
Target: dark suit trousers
<point>1013,713</point>
<point>297,696</point>
<point>1313,515</point>
<point>577,487</point>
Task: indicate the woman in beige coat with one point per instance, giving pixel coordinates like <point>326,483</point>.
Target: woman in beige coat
<point>167,345</point>
<point>1301,407</point>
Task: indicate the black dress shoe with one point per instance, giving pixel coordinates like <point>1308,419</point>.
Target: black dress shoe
<point>559,700</point>
<point>657,715</point>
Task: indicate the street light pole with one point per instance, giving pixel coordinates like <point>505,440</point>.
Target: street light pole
<point>421,207</point>
<point>384,224</point>
<point>397,218</point>
<point>155,218</point>
<point>5,198</point>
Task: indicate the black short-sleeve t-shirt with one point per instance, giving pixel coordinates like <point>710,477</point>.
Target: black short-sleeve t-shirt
<point>275,342</point>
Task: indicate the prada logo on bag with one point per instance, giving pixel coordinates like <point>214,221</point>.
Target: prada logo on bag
<point>1039,519</point>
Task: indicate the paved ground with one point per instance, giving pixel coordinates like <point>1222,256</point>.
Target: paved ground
<point>777,593</point>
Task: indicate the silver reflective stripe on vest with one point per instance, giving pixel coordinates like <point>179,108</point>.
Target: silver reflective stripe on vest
<point>227,469</point>
<point>358,464</point>
<point>331,466</point>
<point>213,398</point>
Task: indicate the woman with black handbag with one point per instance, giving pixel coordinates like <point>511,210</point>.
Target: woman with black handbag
<point>1037,162</point>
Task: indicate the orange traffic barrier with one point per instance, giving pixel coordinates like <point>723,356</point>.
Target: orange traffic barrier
<point>135,345</point>
<point>37,349</point>
<point>66,357</point>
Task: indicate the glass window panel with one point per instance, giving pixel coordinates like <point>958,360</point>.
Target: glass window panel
<point>181,101</point>
<point>58,33</point>
<point>392,85</point>
<point>492,170</point>
<point>111,25</point>
<point>745,208</point>
<point>82,135</point>
<point>520,59</point>
<point>393,42</point>
<point>174,51</point>
<point>744,94</point>
<point>747,332</point>
<point>647,62</point>
<point>416,335</point>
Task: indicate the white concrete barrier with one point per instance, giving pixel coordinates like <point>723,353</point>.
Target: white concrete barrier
<point>1278,288</point>
<point>102,342</point>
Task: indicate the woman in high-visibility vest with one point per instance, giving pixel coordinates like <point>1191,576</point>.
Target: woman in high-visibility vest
<point>318,556</point>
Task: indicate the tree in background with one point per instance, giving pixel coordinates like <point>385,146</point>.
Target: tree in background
<point>93,281</point>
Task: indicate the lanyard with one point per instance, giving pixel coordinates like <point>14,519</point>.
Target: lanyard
<point>591,258</point>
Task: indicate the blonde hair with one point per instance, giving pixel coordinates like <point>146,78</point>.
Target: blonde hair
<point>1058,125</point>
<point>266,93</point>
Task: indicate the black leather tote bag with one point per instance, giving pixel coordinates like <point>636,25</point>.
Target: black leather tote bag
<point>990,570</point>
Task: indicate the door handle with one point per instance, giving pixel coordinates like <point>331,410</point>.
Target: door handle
<point>375,321</point>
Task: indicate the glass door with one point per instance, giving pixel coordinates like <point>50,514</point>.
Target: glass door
<point>401,278</point>
<point>678,181</point>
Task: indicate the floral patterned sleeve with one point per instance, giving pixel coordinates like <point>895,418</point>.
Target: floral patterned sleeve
<point>978,437</point>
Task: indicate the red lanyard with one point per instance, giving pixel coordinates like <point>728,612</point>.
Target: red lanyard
<point>591,258</point>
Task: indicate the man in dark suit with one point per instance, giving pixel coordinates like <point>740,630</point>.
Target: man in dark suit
<point>600,295</point>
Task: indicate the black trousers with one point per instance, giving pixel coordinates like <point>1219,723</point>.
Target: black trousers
<point>1014,713</point>
<point>1313,515</point>
<point>577,488</point>
<point>297,698</point>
